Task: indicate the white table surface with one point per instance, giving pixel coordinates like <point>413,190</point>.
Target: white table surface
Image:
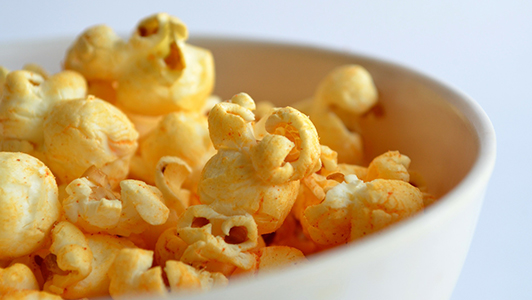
<point>482,47</point>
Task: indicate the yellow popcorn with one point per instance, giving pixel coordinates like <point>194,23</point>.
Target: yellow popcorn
<point>154,73</point>
<point>181,134</point>
<point>291,234</point>
<point>26,98</point>
<point>98,54</point>
<point>71,256</point>
<point>185,279</point>
<point>275,257</point>
<point>257,177</point>
<point>17,277</point>
<point>131,273</point>
<point>171,172</point>
<point>94,207</point>
<point>169,246</point>
<point>28,197</point>
<point>123,175</point>
<point>97,132</point>
<point>211,236</point>
<point>342,96</point>
<point>104,249</point>
<point>30,295</point>
<point>390,165</point>
<point>354,209</point>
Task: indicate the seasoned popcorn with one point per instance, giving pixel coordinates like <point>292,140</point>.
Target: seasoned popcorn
<point>71,256</point>
<point>131,274</point>
<point>28,198</point>
<point>26,98</point>
<point>30,295</point>
<point>154,73</point>
<point>181,134</point>
<point>212,236</point>
<point>94,207</point>
<point>342,96</point>
<point>104,249</point>
<point>99,134</point>
<point>257,177</point>
<point>185,279</point>
<point>354,209</point>
<point>123,175</point>
<point>17,277</point>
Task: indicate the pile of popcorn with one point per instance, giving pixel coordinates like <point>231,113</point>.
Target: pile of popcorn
<point>123,174</point>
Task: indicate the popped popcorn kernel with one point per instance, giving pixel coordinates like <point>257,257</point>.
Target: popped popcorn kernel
<point>28,197</point>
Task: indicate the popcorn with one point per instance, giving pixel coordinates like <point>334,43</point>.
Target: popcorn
<point>26,98</point>
<point>184,278</point>
<point>390,165</point>
<point>104,249</point>
<point>28,197</point>
<point>170,174</point>
<point>354,209</point>
<point>94,207</point>
<point>71,255</point>
<point>99,134</point>
<point>29,295</point>
<point>257,177</point>
<point>154,73</point>
<point>342,96</point>
<point>181,134</point>
<point>212,236</point>
<point>165,189</point>
<point>131,273</point>
<point>17,277</point>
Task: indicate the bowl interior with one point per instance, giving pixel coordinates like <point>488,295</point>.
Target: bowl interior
<point>418,119</point>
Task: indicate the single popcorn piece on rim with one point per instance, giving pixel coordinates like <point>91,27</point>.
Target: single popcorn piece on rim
<point>28,197</point>
<point>259,177</point>
<point>97,132</point>
<point>26,98</point>
<point>354,209</point>
<point>153,73</point>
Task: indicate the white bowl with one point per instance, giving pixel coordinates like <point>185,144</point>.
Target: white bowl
<point>446,134</point>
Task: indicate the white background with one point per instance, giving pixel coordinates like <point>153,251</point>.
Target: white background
<point>482,47</point>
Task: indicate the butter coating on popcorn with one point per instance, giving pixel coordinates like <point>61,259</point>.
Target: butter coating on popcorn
<point>28,197</point>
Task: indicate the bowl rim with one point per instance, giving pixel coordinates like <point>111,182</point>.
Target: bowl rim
<point>475,180</point>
